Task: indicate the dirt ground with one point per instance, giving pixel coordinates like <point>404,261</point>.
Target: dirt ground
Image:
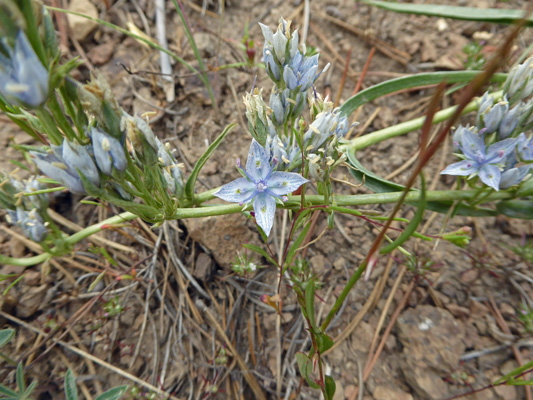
<point>457,328</point>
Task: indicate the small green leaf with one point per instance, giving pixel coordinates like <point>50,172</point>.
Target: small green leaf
<point>515,372</point>
<point>113,394</point>
<point>71,391</point>
<point>492,15</point>
<point>261,252</point>
<point>325,342</point>
<point>306,369</point>
<point>191,182</point>
<point>330,387</point>
<point>5,336</point>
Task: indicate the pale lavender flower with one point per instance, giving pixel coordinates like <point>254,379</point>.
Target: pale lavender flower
<point>53,166</point>
<point>78,159</point>
<point>30,221</point>
<point>262,185</point>
<point>302,72</point>
<point>23,78</point>
<point>514,176</point>
<point>486,163</point>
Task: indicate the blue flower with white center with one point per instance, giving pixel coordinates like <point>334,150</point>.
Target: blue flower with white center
<point>108,152</point>
<point>262,185</point>
<point>486,163</point>
<point>23,78</point>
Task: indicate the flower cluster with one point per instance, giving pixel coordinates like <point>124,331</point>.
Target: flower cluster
<point>497,149</point>
<point>24,206</point>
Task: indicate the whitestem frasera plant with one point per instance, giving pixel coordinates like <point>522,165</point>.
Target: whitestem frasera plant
<point>92,146</point>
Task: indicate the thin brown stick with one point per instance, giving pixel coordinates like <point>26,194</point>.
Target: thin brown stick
<point>343,78</point>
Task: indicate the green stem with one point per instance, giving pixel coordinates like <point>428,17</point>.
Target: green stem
<point>365,141</point>
<point>340,300</point>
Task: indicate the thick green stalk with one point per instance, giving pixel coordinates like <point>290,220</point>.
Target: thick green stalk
<point>294,203</point>
<point>365,141</point>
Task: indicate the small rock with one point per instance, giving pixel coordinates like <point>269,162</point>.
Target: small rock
<point>101,54</point>
<point>30,301</point>
<point>428,51</point>
<point>507,310</point>
<point>81,27</point>
<point>387,393</point>
<point>226,245</point>
<point>339,264</point>
<point>318,263</point>
<point>442,25</point>
<point>458,311</point>
<point>506,392</point>
<point>469,276</point>
<point>16,248</point>
<point>433,343</point>
<point>349,392</point>
<point>32,278</point>
<point>203,267</point>
<point>205,44</point>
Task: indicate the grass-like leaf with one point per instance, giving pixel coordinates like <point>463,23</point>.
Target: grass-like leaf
<point>191,182</point>
<point>409,82</point>
<point>491,15</point>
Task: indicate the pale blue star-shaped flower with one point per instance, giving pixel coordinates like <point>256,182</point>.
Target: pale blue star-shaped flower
<point>486,163</point>
<point>262,185</point>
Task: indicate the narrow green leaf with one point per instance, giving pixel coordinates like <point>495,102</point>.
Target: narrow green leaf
<point>408,82</point>
<point>515,372</point>
<point>71,391</point>
<point>113,394</point>
<point>411,227</point>
<point>29,391</point>
<point>522,209</point>
<point>5,336</point>
<point>191,182</point>
<point>19,377</point>
<point>330,387</point>
<point>261,252</point>
<point>8,392</point>
<point>492,15</point>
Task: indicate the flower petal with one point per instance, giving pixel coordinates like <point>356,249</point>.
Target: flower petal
<point>461,168</point>
<point>265,210</point>
<point>281,183</point>
<point>490,175</point>
<point>238,191</point>
<point>258,163</point>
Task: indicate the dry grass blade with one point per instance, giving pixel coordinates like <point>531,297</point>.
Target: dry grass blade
<point>248,376</point>
<point>94,359</point>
